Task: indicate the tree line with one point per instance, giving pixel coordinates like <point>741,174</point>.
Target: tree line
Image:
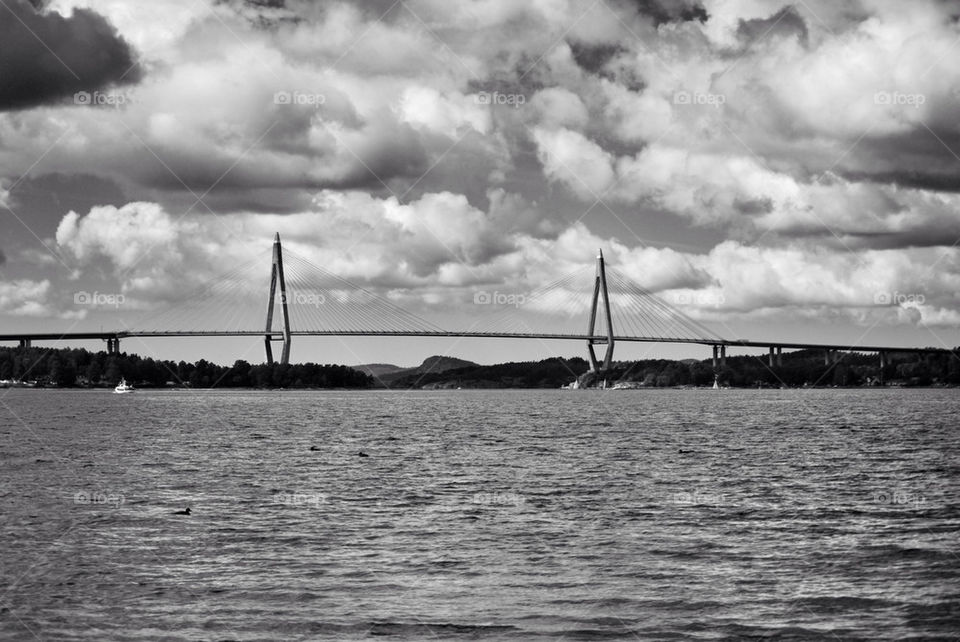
<point>79,367</point>
<point>67,367</point>
<point>799,368</point>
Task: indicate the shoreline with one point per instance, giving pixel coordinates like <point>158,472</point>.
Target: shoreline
<point>461,389</point>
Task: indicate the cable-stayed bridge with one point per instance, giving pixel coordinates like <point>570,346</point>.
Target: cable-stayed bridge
<point>596,304</point>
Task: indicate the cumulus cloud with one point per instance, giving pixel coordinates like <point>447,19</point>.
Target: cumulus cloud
<point>24,297</point>
<point>153,29</point>
<point>737,192</point>
<point>153,254</point>
<point>439,244</point>
<point>29,298</point>
<point>570,157</point>
<point>397,98</point>
<point>125,235</point>
<point>379,241</point>
<point>47,57</point>
<point>807,149</point>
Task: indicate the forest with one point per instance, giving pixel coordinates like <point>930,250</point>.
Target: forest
<point>800,368</point>
<point>79,367</point>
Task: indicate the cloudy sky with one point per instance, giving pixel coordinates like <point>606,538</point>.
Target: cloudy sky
<point>777,170</point>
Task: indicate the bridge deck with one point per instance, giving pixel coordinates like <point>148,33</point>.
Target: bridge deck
<point>52,336</point>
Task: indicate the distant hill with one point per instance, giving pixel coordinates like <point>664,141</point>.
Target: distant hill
<point>386,373</point>
<point>549,373</point>
<point>377,369</point>
<point>442,364</point>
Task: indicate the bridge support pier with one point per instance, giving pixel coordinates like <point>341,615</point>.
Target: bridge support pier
<point>600,289</point>
<point>24,343</point>
<point>775,358</point>
<point>276,276</point>
<point>113,345</point>
<point>883,365</point>
<point>720,350</point>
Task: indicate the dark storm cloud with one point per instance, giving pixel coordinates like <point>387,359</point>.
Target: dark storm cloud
<point>266,4</point>
<point>45,198</point>
<point>783,23</point>
<point>265,14</point>
<point>258,201</point>
<point>938,235</point>
<point>46,57</point>
<point>268,14</point>
<point>379,153</point>
<point>917,179</point>
<point>592,58</point>
<point>3,258</point>
<point>951,8</point>
<point>664,11</point>
<point>920,158</point>
<point>921,234</point>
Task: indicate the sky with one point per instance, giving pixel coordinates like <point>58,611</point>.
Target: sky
<point>776,170</point>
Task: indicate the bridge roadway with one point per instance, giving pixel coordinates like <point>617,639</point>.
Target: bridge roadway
<point>25,337</point>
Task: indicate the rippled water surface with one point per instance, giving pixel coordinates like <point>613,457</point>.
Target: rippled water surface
<point>672,514</point>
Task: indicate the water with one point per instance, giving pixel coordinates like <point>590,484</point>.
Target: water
<point>568,515</point>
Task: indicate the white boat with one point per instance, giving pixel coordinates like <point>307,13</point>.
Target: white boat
<point>716,384</point>
<point>123,387</point>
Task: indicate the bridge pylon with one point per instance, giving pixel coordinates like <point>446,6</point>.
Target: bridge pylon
<point>600,290</point>
<point>276,277</point>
